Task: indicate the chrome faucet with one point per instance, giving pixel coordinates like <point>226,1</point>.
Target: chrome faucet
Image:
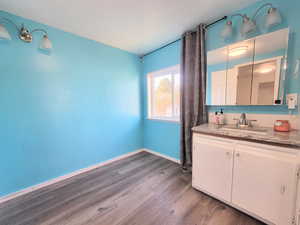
<point>243,122</point>
<point>243,119</point>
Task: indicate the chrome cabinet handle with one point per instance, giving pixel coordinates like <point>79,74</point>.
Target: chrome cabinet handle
<point>237,154</point>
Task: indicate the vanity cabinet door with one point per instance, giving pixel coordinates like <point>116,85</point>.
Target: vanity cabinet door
<point>212,167</point>
<point>264,183</point>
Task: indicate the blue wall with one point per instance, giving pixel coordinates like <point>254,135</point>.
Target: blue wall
<point>61,112</point>
<point>82,104</point>
<point>164,137</point>
<point>161,136</point>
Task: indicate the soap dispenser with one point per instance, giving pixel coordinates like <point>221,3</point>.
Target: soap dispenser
<point>216,118</point>
<point>221,118</point>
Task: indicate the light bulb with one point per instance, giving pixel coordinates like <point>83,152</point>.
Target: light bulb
<point>227,31</point>
<point>273,17</point>
<point>4,33</point>
<point>46,43</point>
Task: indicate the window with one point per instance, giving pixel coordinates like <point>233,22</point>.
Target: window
<point>164,94</point>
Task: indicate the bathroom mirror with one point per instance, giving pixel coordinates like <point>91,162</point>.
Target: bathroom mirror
<point>249,72</point>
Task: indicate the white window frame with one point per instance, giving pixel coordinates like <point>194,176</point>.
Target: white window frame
<point>170,70</point>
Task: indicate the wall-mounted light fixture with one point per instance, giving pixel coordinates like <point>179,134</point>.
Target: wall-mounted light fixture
<point>272,18</point>
<point>24,34</point>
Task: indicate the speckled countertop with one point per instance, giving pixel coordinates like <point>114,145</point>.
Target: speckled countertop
<point>286,139</point>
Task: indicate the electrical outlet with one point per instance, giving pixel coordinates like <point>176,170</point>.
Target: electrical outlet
<point>292,100</point>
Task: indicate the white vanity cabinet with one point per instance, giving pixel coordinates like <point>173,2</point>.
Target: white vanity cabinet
<point>258,179</point>
<point>208,175</point>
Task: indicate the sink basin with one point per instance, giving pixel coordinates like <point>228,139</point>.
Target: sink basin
<point>249,130</point>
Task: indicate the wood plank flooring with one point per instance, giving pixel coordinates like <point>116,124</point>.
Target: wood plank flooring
<point>143,189</point>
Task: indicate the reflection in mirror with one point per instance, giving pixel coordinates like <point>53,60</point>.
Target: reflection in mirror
<point>249,72</point>
<point>239,73</point>
<point>243,83</point>
<point>270,60</point>
<point>216,76</point>
<point>265,82</point>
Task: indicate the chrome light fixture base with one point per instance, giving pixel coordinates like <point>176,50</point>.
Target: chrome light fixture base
<point>248,25</point>
<point>25,35</point>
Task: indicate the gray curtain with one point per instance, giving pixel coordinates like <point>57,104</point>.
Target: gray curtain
<point>193,88</point>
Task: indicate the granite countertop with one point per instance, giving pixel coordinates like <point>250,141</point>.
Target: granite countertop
<point>285,139</point>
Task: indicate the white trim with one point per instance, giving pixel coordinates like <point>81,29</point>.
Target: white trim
<point>161,155</point>
<point>165,120</point>
<point>161,72</point>
<point>60,178</point>
<point>150,79</point>
<point>259,61</point>
<point>77,172</point>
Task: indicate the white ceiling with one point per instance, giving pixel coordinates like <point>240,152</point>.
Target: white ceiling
<point>137,26</point>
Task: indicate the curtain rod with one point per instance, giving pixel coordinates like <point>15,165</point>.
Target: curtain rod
<point>207,26</point>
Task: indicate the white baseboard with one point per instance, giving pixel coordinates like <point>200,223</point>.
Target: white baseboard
<point>162,155</point>
<point>58,179</point>
<point>55,180</point>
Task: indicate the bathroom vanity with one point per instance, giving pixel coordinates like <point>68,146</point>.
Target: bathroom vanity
<point>255,171</point>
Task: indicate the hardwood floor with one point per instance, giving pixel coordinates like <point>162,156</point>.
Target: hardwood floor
<point>143,189</point>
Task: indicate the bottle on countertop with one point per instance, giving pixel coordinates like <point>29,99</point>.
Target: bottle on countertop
<point>216,118</point>
<point>221,118</point>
